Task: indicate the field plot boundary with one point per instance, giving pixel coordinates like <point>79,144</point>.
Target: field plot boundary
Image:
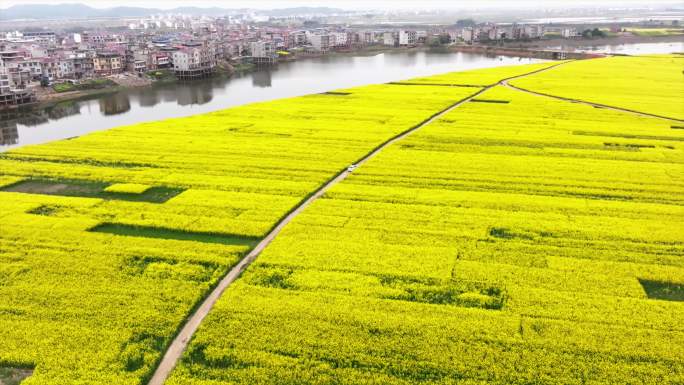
<point>89,189</point>
<point>123,229</point>
<point>596,105</point>
<point>175,350</point>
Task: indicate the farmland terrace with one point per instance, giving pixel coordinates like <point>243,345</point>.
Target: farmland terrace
<point>513,225</point>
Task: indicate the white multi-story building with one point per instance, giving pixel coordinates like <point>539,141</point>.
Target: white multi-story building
<point>534,31</point>
<point>467,35</point>
<point>297,39</point>
<point>57,68</point>
<point>11,97</point>
<point>320,42</point>
<point>43,37</point>
<point>140,66</point>
<point>108,63</point>
<point>408,37</point>
<point>234,48</point>
<point>390,38</point>
<point>38,51</point>
<point>82,63</point>
<point>367,37</point>
<point>21,70</point>
<point>263,49</point>
<point>4,80</point>
<point>569,32</point>
<point>193,58</point>
<point>338,39</point>
<point>159,60</point>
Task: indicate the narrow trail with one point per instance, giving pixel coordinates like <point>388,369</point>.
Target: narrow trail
<point>596,105</point>
<point>180,342</point>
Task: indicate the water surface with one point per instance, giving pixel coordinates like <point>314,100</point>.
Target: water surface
<point>636,49</point>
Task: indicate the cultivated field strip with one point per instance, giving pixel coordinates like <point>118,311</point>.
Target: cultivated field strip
<point>478,78</point>
<point>109,241</point>
<point>595,105</point>
<point>497,245</point>
<point>651,84</point>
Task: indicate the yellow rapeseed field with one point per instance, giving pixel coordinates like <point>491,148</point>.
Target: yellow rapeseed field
<point>518,239</point>
<point>530,242</point>
<point>108,241</point>
<point>651,84</point>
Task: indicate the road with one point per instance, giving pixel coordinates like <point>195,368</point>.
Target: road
<point>179,344</point>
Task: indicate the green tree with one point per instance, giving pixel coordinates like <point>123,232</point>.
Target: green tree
<point>465,23</point>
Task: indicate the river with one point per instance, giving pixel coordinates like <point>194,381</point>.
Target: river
<point>628,49</point>
<point>74,118</point>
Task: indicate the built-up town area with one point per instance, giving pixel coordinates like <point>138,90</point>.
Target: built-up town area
<point>35,64</point>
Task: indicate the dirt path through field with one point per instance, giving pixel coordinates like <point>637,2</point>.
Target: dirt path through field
<point>13,376</point>
<point>596,105</point>
<point>178,345</point>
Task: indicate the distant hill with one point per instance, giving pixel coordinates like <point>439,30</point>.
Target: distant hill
<point>303,11</point>
<point>37,11</point>
<point>80,11</point>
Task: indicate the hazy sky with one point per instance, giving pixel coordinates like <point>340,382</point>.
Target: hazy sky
<point>347,4</point>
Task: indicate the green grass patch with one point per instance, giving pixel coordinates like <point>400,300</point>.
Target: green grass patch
<point>88,189</point>
<point>179,235</point>
<point>93,84</point>
<point>627,136</point>
<point>164,268</point>
<point>46,210</point>
<point>90,162</point>
<point>456,292</point>
<point>162,75</point>
<point>656,31</point>
<point>667,291</point>
<point>629,145</point>
<point>64,87</point>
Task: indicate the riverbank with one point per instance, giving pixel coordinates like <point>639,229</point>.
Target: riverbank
<point>365,51</point>
<point>524,52</point>
<point>575,44</point>
<point>556,49</point>
<point>46,97</point>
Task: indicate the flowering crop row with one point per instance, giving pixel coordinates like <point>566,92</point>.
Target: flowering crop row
<point>480,77</point>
